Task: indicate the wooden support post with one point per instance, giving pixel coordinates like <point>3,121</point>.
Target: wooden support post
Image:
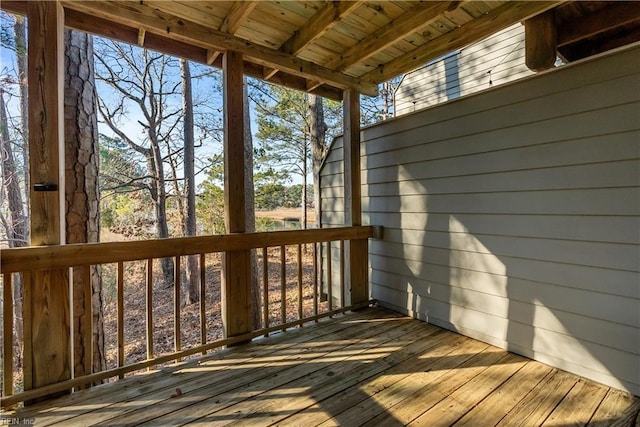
<point>236,275</point>
<point>358,249</point>
<point>47,351</point>
<point>540,41</point>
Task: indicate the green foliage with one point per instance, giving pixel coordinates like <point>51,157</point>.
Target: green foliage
<point>210,203</point>
<point>293,196</point>
<point>129,214</point>
<point>270,196</point>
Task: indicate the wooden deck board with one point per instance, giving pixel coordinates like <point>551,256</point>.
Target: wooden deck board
<point>373,368</point>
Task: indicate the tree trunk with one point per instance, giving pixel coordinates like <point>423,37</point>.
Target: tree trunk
<point>82,198</point>
<point>159,196</point>
<point>250,211</point>
<point>20,35</point>
<point>305,217</point>
<point>317,129</point>
<point>15,228</point>
<point>190,180</point>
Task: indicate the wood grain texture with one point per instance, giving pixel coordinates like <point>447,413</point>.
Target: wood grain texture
<point>7,335</point>
<point>392,370</point>
<point>540,41</point>
<point>47,360</point>
<point>46,293</point>
<point>233,99</point>
<point>498,19</point>
<point>46,121</point>
<point>529,275</point>
<point>37,258</point>
<point>158,22</point>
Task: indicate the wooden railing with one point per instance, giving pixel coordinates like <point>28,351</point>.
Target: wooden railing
<point>271,248</point>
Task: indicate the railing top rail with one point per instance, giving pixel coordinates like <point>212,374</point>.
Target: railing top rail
<point>72,255</point>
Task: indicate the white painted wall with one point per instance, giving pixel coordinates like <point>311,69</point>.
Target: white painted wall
<point>513,216</point>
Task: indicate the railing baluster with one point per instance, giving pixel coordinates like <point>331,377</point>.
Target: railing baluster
<point>203,302</point>
<point>329,277</point>
<point>265,289</point>
<point>149,307</point>
<point>315,279</point>
<point>283,285</point>
<point>7,319</point>
<point>300,282</point>
<point>120,308</point>
<point>177,285</point>
<point>342,274</point>
<point>67,256</point>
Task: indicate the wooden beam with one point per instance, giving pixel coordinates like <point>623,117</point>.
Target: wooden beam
<point>47,354</point>
<point>358,249</point>
<point>237,14</point>
<point>103,27</point>
<point>141,34</point>
<point>321,22</point>
<point>311,85</point>
<point>413,20</point>
<point>236,289</point>
<point>494,21</point>
<point>352,201</point>
<point>212,55</point>
<point>540,41</point>
<point>269,72</point>
<point>15,7</point>
<point>616,14</point>
<point>64,256</point>
<point>155,21</point>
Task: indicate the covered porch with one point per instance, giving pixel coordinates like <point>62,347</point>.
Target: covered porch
<point>373,367</point>
<point>367,366</point>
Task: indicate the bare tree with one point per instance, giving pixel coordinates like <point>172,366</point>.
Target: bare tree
<point>317,130</point>
<point>82,195</point>
<point>20,37</point>
<point>142,86</point>
<point>190,179</point>
<point>250,209</point>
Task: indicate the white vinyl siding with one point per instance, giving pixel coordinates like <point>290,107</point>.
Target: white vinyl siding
<point>496,60</point>
<point>513,216</point>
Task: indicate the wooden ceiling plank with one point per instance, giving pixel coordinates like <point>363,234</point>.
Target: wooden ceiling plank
<point>494,21</point>
<point>615,15</point>
<point>318,25</point>
<point>154,21</point>
<point>106,28</point>
<point>238,13</point>
<point>411,21</point>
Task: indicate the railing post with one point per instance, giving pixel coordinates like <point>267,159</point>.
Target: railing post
<point>358,251</point>
<point>47,347</point>
<point>236,273</point>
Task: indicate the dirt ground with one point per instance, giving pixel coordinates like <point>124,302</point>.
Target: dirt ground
<point>163,305</point>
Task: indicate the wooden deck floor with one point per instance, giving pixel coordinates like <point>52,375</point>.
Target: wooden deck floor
<point>372,368</point>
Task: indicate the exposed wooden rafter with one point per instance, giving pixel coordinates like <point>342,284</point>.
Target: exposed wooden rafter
<point>238,13</point>
<point>540,41</point>
<point>103,27</point>
<point>158,22</point>
<point>328,16</point>
<point>413,20</point>
<point>482,27</point>
<point>613,16</point>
